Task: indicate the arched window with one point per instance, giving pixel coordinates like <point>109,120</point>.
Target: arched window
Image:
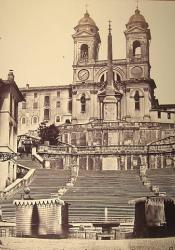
<point>116,77</point>
<point>67,121</point>
<point>102,78</point>
<point>84,51</point>
<point>137,100</point>
<point>136,49</point>
<point>57,119</point>
<point>23,120</point>
<point>83,103</point>
<point>46,114</point>
<point>35,119</point>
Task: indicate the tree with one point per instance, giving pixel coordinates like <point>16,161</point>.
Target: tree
<point>48,133</point>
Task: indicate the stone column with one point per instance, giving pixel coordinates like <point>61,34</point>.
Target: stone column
<point>68,138</point>
<point>162,161</point>
<point>131,162</point>
<point>78,160</point>
<point>156,161</point>
<point>47,164</point>
<point>126,162</point>
<point>118,162</point>
<point>87,162</point>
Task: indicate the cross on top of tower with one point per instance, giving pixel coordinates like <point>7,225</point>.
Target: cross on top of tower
<point>109,26</point>
<point>137,4</point>
<point>86,7</point>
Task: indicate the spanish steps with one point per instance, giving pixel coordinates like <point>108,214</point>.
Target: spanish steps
<point>164,178</point>
<point>28,162</point>
<point>44,182</point>
<point>96,190</point>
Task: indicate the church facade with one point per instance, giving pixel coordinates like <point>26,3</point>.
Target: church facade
<point>85,100</point>
<point>109,112</point>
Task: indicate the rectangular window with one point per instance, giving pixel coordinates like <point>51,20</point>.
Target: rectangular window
<point>70,93</point>
<point>83,108</point>
<point>57,118</point>
<point>35,105</point>
<point>47,101</point>
<point>24,105</point>
<point>159,114</point>
<point>11,103</point>
<point>46,114</point>
<point>35,95</point>
<point>58,93</point>
<point>1,102</point>
<point>70,106</point>
<point>137,105</point>
<point>169,115</point>
<point>16,110</point>
<point>58,104</point>
<point>66,138</point>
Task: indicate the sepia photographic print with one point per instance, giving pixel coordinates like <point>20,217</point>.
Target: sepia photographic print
<point>87,125</point>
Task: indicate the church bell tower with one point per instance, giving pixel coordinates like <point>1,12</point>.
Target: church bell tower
<point>137,46</point>
<point>139,85</point>
<point>86,48</point>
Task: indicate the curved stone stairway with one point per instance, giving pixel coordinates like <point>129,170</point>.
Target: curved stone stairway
<point>44,182</point>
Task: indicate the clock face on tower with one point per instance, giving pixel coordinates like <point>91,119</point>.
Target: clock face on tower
<point>83,74</point>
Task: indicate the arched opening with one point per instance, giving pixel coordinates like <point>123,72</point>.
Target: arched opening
<point>23,120</point>
<point>46,114</point>
<point>70,106</point>
<point>67,121</point>
<point>35,120</point>
<point>116,77</point>
<point>102,78</point>
<point>83,103</point>
<point>57,119</point>
<point>136,49</point>
<point>84,51</point>
<point>137,100</point>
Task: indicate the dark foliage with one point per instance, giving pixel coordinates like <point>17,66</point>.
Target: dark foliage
<point>48,133</point>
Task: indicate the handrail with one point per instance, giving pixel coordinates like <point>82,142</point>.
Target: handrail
<point>37,156</point>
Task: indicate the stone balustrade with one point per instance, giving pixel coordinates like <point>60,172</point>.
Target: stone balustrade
<point>17,184</point>
<point>116,149</point>
<point>115,125</point>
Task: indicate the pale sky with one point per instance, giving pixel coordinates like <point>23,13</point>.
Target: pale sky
<point>36,38</point>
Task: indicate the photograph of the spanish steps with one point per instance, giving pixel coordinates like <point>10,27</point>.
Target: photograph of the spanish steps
<point>87,139</point>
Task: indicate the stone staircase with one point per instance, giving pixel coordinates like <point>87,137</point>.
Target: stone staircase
<point>96,190</point>
<point>27,161</point>
<point>164,178</point>
<point>45,182</point>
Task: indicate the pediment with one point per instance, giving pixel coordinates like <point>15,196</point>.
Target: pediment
<point>135,29</point>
